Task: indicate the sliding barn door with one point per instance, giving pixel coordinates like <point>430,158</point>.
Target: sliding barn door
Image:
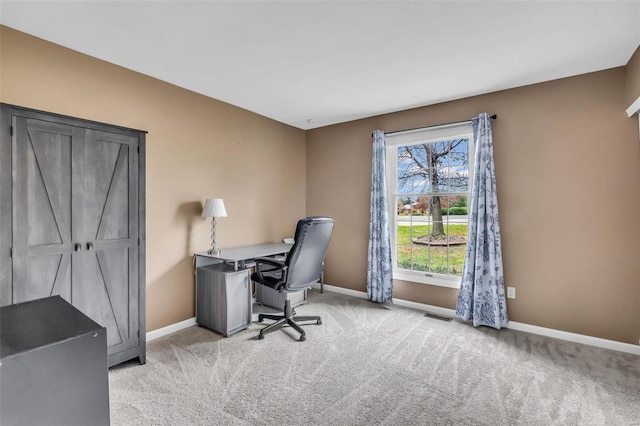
<point>75,223</point>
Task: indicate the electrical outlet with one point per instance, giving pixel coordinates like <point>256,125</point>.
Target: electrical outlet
<point>511,292</point>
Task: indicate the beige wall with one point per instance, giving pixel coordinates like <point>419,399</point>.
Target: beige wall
<point>567,159</point>
<point>568,167</point>
<point>632,92</point>
<point>632,78</point>
<point>197,147</point>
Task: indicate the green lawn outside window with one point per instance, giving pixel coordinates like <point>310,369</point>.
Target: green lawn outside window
<point>430,259</point>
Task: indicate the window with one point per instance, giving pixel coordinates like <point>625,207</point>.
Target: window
<point>428,185</point>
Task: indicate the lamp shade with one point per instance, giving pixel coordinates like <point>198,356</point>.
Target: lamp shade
<point>214,207</point>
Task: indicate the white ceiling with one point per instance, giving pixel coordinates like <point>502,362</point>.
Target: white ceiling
<point>335,61</point>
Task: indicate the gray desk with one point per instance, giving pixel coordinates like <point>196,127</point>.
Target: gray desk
<point>212,308</point>
<point>242,257</point>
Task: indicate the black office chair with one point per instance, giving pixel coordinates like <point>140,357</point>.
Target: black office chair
<point>301,268</point>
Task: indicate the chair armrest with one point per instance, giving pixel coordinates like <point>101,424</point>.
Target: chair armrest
<point>270,261</point>
<point>279,267</point>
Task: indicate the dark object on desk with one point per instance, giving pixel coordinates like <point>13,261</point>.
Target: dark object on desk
<point>301,268</point>
<point>53,365</point>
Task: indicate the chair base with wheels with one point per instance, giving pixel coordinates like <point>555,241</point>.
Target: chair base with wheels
<point>289,319</point>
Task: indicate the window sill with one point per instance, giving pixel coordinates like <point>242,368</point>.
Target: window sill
<point>423,278</point>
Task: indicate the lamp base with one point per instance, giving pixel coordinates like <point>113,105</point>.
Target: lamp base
<point>215,251</point>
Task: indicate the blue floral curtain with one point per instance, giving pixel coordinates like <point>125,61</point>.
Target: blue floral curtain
<point>379,271</point>
<point>481,296</point>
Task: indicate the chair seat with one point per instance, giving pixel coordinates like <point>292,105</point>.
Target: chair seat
<point>269,279</point>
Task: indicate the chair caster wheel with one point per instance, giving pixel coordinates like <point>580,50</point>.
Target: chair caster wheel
<point>303,338</point>
<point>260,319</point>
<point>319,322</point>
<point>260,336</point>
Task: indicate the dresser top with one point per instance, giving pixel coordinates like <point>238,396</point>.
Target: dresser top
<point>41,322</point>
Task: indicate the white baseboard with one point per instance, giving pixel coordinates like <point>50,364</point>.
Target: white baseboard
<point>437,310</point>
<point>576,338</point>
<point>172,328</point>
<point>513,325</point>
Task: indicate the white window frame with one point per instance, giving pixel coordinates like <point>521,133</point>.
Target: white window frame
<point>445,132</point>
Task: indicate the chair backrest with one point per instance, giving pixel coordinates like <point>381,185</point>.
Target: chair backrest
<point>305,258</point>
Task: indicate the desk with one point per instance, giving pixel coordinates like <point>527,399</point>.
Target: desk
<point>223,302</point>
<point>242,257</point>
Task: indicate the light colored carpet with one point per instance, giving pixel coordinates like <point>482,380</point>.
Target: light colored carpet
<point>366,365</point>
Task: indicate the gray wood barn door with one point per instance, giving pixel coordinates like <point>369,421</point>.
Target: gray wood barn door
<point>109,229</point>
<point>43,239</point>
<point>75,227</point>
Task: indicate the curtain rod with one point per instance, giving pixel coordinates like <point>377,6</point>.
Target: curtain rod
<point>493,117</point>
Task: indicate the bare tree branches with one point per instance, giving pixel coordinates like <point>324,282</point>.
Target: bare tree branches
<point>433,168</point>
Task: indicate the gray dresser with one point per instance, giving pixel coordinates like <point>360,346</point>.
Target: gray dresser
<point>53,365</point>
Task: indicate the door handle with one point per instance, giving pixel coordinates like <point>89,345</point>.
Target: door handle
<point>89,246</point>
<point>77,247</point>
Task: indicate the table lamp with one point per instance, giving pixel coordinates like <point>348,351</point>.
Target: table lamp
<point>214,207</point>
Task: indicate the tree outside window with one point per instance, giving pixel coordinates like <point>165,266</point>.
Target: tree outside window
<point>430,189</point>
